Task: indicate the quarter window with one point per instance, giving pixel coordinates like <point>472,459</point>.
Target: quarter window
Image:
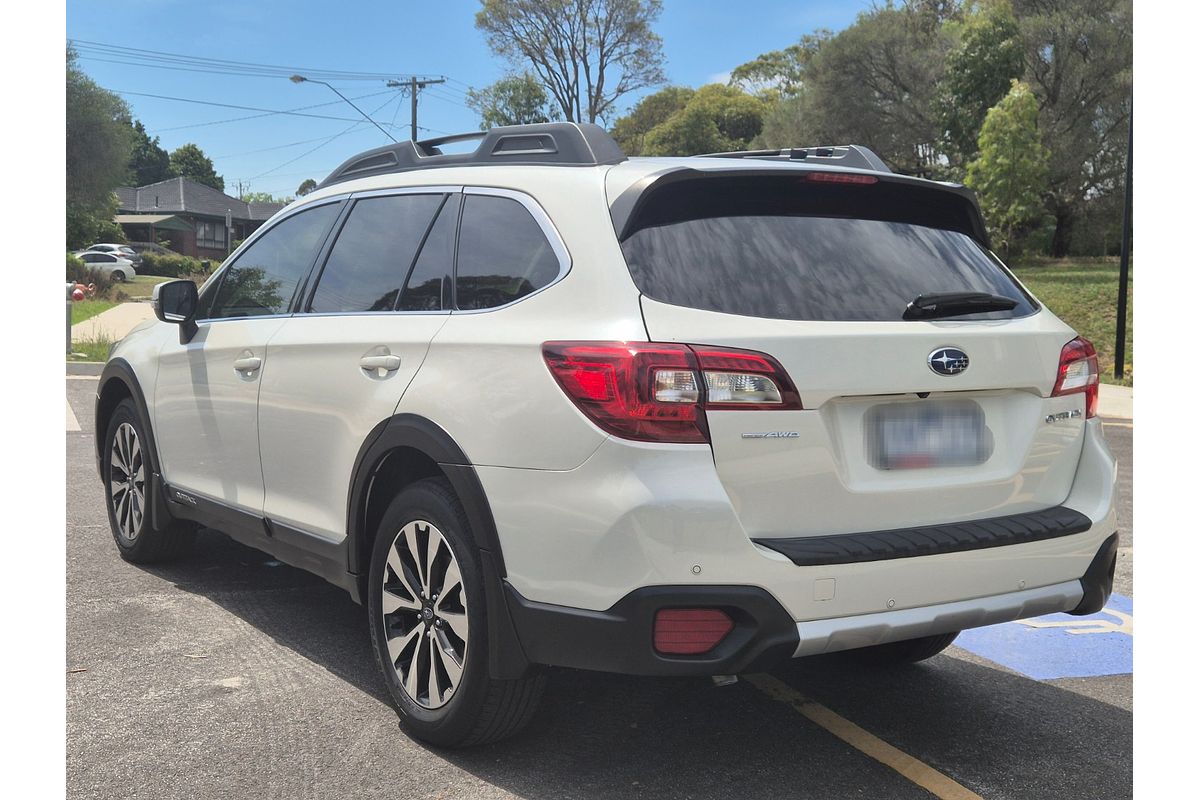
<point>264,278</point>
<point>502,253</point>
<point>373,253</point>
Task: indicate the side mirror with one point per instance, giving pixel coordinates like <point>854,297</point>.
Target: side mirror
<point>176,302</point>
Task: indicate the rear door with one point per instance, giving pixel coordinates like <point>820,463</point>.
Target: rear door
<point>340,366</point>
<point>897,427</point>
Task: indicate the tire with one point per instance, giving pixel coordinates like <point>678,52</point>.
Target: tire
<point>474,709</point>
<point>118,276</point>
<point>126,491</point>
<point>909,651</point>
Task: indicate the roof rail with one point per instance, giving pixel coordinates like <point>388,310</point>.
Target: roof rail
<point>559,143</point>
<point>846,155</point>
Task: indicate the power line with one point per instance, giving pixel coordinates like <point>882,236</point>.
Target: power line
<point>231,105</point>
<point>327,141</point>
<point>260,116</point>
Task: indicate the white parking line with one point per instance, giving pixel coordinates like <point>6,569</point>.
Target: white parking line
<point>72,421</point>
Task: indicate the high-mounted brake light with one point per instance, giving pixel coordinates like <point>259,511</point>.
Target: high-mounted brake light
<point>1079,372</point>
<point>841,177</point>
<point>656,392</point>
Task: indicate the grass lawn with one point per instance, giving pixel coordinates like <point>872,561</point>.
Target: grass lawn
<point>141,286</point>
<point>1083,293</point>
<point>92,350</point>
<point>86,309</point>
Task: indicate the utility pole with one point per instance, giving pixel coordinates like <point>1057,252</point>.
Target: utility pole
<point>415,84</point>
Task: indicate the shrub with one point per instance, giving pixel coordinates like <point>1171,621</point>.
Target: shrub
<point>79,272</point>
<point>170,266</point>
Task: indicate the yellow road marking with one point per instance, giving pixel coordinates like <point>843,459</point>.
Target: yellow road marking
<point>916,771</point>
<point>1117,424</point>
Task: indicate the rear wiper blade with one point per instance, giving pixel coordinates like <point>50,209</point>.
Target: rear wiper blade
<point>954,304</point>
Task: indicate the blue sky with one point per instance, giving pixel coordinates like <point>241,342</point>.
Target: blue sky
<point>703,40</point>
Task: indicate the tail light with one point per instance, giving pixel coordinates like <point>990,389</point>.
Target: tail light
<point>1079,372</point>
<point>656,392</point>
<point>689,631</point>
<point>842,177</point>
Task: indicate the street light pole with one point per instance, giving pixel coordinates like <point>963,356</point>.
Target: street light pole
<point>1123,288</point>
<point>302,79</point>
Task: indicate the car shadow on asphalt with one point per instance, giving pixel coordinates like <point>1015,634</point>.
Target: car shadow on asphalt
<point>612,736</point>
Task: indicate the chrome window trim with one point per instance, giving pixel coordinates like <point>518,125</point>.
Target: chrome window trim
<point>543,221</point>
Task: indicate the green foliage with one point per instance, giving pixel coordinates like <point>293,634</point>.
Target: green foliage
<point>86,226</point>
<point>716,118</point>
<point>171,266</point>
<point>651,111</point>
<point>780,73</point>
<point>99,140</point>
<point>979,71</point>
<point>307,186</point>
<point>189,161</point>
<point>515,100</point>
<point>150,163</point>
<point>264,197</point>
<point>587,53</point>
<point>1010,172</point>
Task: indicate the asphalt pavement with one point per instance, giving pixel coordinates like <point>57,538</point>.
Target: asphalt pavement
<point>229,674</point>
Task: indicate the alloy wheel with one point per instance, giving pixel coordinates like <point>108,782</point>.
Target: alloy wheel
<point>425,614</point>
<point>127,481</point>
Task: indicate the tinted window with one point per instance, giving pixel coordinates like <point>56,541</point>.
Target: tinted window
<point>265,275</point>
<point>373,253</point>
<point>502,253</point>
<point>92,258</point>
<point>425,289</point>
<point>794,251</point>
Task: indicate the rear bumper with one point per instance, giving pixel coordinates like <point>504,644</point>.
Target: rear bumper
<point>620,639</point>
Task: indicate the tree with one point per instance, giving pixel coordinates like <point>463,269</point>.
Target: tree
<point>979,71</point>
<point>99,142</point>
<point>188,161</point>
<point>1079,60</point>
<point>874,84</point>
<point>306,187</point>
<point>263,197</point>
<point>651,111</point>
<point>515,100</point>
<point>780,73</point>
<point>150,162</point>
<point>711,119</point>
<point>587,53</point>
<point>1010,172</point>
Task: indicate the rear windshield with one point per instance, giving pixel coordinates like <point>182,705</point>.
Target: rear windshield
<point>785,248</point>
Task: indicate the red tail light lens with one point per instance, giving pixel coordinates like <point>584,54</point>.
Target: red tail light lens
<point>841,177</point>
<point>655,392</point>
<point>689,631</point>
<point>1079,372</point>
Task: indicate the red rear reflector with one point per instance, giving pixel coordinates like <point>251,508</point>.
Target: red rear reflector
<point>841,177</point>
<point>689,631</point>
<point>1079,373</point>
<point>654,392</point>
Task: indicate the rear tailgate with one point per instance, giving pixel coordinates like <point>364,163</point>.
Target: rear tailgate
<point>818,277</point>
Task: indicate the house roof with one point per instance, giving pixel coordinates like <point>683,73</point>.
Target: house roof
<point>164,221</point>
<point>184,196</point>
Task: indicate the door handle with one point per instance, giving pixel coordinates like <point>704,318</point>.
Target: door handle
<point>385,363</point>
<point>247,364</point>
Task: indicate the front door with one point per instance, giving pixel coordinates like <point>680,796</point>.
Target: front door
<point>206,393</point>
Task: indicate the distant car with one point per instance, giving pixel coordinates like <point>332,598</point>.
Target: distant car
<point>118,268</point>
<point>119,250</point>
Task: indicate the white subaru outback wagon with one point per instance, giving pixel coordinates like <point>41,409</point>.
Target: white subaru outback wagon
<point>540,404</point>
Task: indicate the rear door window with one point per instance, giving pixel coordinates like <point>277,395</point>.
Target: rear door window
<point>783,248</point>
<point>503,255</point>
<point>374,252</point>
<point>428,284</point>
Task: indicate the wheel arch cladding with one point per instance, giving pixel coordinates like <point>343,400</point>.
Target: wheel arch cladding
<point>119,382</point>
<point>406,448</point>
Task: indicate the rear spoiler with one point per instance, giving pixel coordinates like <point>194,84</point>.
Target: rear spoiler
<point>626,210</point>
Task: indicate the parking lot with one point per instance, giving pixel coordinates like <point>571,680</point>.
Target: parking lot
<point>229,674</point>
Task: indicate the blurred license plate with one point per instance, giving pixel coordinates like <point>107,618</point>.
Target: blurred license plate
<point>926,434</point>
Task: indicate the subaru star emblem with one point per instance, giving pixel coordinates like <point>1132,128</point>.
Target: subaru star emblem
<point>948,361</point>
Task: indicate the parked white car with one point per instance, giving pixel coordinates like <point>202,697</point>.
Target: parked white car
<point>542,404</point>
<point>120,269</point>
<point>119,250</point>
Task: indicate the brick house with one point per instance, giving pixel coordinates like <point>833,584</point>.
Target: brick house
<point>189,214</point>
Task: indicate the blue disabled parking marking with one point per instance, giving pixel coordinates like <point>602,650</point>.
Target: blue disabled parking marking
<point>1059,645</point>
